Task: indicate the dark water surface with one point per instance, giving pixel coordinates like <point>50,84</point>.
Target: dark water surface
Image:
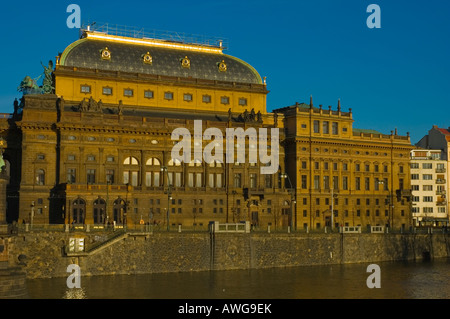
<point>399,280</point>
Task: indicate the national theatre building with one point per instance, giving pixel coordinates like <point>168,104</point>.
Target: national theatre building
<point>94,146</point>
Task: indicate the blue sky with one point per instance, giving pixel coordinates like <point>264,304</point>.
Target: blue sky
<point>397,76</point>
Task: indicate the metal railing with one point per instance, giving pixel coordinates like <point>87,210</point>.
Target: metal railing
<point>142,33</point>
<point>147,229</point>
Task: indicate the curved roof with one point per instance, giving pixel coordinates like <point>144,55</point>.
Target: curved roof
<point>126,57</point>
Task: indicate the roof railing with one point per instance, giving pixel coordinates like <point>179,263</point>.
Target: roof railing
<point>141,33</point>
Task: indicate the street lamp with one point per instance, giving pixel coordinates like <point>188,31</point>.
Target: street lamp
<point>169,194</point>
<point>292,193</point>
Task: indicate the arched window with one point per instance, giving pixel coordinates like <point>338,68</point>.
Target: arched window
<point>99,211</point>
<point>118,211</point>
<point>153,172</point>
<point>78,211</point>
<point>131,171</point>
<point>131,161</point>
<point>174,162</point>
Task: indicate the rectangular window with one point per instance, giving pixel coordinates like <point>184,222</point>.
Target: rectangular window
<point>85,89</point>
<point>107,91</point>
<point>219,180</point>
<point>316,182</point>
<point>427,177</point>
<point>326,182</point>
<point>90,177</point>
<point>225,100</point>
<point>187,97</point>
<point>148,179</point>
<point>358,183</point>
<point>168,95</point>
<point>367,183</point>
<point>71,175</point>
<point>415,176</point>
<point>110,176</point>
<point>325,127</point>
<point>206,98</point>
<point>414,165</point>
<point>198,180</point>
<point>128,92</point>
<point>336,182</point>
<point>253,181</point>
<point>427,187</point>
<point>344,182</point>
<point>190,180</point>
<point>334,128</point>
<point>357,167</point>
<point>427,165</point>
<point>268,181</point>
<point>148,94</point>
<point>156,179</point>
<point>304,181</point>
<point>242,101</point>
<point>316,126</point>
<point>415,187</point>
<point>428,199</point>
<point>237,180</point>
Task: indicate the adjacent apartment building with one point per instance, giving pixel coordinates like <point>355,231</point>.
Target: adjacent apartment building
<point>438,139</point>
<point>429,188</point>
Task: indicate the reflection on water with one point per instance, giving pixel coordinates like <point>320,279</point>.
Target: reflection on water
<point>412,280</point>
<point>74,293</point>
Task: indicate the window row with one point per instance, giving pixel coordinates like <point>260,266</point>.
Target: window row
<point>149,94</point>
<point>345,167</point>
<point>345,201</point>
<point>428,209</point>
<point>325,126</point>
<point>328,182</point>
<point>439,166</point>
<point>155,178</point>
<point>428,177</point>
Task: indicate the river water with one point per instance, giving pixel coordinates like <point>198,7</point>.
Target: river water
<point>399,280</point>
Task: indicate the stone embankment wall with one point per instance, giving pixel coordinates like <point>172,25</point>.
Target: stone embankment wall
<point>180,252</point>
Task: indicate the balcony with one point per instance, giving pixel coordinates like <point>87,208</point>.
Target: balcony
<point>440,170</point>
<point>440,181</point>
<point>440,203</point>
<point>441,192</point>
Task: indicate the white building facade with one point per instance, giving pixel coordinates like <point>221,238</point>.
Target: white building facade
<point>429,188</point>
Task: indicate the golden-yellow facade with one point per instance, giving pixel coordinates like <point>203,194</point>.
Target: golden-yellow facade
<point>361,175</point>
<point>98,150</point>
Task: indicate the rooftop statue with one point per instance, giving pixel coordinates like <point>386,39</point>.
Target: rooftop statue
<point>29,86</point>
<point>47,83</point>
